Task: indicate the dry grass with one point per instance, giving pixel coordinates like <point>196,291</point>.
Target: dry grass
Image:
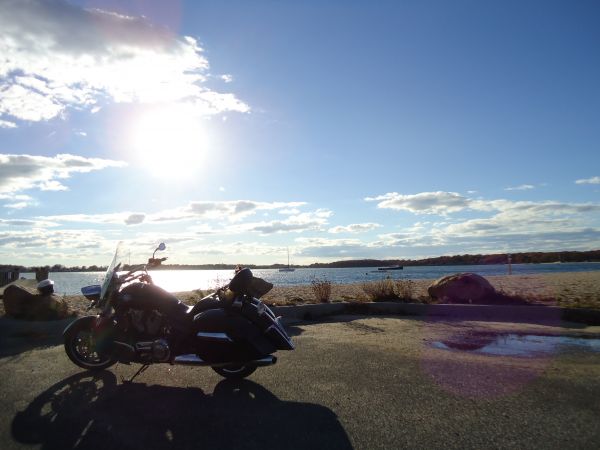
<point>381,290</point>
<point>394,290</point>
<point>321,289</point>
<point>405,289</point>
<point>563,299</point>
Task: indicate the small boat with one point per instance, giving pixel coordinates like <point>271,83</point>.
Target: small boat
<point>385,269</point>
<point>288,268</point>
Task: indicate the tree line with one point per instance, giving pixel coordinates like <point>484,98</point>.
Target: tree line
<point>458,260</point>
<point>454,260</point>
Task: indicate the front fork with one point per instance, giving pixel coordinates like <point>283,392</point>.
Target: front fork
<point>102,333</point>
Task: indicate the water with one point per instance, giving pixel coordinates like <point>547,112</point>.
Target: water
<point>517,345</point>
<point>70,283</point>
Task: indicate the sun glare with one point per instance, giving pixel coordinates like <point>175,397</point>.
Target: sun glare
<point>169,141</point>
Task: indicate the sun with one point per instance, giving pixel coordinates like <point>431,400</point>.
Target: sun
<point>169,141</point>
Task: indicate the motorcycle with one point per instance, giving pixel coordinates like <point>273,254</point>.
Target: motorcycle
<point>231,330</point>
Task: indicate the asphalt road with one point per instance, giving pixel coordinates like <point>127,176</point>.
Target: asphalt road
<point>354,383</point>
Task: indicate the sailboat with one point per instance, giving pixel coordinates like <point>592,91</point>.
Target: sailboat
<point>288,268</point>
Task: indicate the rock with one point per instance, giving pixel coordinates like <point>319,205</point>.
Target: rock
<point>22,303</point>
<point>462,288</point>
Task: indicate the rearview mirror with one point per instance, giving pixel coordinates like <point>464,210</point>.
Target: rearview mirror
<point>160,247</point>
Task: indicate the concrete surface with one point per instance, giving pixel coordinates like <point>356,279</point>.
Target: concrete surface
<point>354,383</point>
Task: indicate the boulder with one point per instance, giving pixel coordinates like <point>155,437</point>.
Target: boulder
<point>22,303</point>
<point>462,288</point>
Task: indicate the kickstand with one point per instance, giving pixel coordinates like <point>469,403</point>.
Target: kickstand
<point>139,372</point>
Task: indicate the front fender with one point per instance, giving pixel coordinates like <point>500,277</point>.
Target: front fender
<point>87,321</point>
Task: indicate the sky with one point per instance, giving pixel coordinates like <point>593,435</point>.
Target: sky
<point>235,130</point>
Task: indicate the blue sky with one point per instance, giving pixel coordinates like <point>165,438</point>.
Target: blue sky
<point>234,130</point>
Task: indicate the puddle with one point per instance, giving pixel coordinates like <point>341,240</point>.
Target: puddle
<point>516,344</point>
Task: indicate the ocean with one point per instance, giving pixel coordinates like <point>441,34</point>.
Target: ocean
<point>70,283</point>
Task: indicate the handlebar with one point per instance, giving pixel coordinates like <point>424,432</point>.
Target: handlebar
<point>156,261</point>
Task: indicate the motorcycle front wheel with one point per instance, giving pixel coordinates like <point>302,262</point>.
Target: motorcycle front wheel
<point>235,372</point>
<point>81,347</point>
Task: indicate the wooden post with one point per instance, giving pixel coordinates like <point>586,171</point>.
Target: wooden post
<point>509,264</point>
<point>8,276</point>
<point>41,273</point>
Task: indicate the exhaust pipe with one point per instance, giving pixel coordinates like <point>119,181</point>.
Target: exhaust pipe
<point>194,360</point>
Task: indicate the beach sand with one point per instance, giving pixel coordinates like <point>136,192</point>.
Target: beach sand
<point>563,289</point>
<point>567,289</point>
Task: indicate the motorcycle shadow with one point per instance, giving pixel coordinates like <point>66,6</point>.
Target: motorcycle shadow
<point>93,411</point>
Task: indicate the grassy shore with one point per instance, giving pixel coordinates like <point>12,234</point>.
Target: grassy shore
<point>567,289</point>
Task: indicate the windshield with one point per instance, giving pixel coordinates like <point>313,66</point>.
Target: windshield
<point>115,265</point>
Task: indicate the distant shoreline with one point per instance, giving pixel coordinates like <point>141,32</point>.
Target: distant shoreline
<point>562,257</point>
<point>232,267</point>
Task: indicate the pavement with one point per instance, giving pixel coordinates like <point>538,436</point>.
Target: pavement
<point>352,382</point>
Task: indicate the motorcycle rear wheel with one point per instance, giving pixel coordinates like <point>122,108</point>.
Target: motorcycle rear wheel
<point>235,372</point>
<point>81,347</point>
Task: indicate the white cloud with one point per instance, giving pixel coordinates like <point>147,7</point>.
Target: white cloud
<point>58,56</point>
<point>355,228</point>
<point>592,180</point>
<point>502,224</point>
<point>11,196</point>
<point>227,78</point>
<point>26,104</point>
<point>50,239</point>
<point>439,202</point>
<point>20,201</point>
<point>305,221</point>
<point>17,205</point>
<point>232,210</point>
<point>443,203</point>
<point>20,172</point>
<point>289,211</point>
<point>238,251</point>
<point>7,124</point>
<point>522,187</point>
<point>527,226</point>
<point>298,223</point>
<point>27,223</point>
<point>123,218</point>
<point>52,185</point>
<point>333,248</point>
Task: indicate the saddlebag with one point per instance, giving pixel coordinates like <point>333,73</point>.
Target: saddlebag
<point>220,335</point>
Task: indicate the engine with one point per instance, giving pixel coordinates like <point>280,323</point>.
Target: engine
<point>154,351</point>
<point>148,323</point>
<point>149,329</point>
